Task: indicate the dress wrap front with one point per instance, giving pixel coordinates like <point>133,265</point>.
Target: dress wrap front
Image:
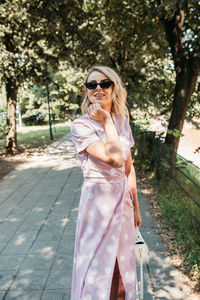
<point>105,227</point>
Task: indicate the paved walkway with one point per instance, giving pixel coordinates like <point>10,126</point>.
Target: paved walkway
<point>38,210</point>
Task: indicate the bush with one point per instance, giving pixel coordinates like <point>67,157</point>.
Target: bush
<point>2,128</point>
<point>38,119</point>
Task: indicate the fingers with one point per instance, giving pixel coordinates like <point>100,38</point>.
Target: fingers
<point>93,108</point>
<point>137,220</point>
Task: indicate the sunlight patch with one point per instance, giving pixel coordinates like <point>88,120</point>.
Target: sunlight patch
<point>20,240</point>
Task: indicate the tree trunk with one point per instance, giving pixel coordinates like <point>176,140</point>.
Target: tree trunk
<point>11,91</point>
<point>185,83</point>
<point>187,67</point>
<point>11,133</point>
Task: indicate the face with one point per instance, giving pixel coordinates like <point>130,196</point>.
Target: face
<point>99,95</point>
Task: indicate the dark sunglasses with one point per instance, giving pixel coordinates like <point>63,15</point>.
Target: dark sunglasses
<point>93,85</point>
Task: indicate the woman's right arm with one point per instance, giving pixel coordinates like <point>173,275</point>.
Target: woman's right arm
<point>109,152</point>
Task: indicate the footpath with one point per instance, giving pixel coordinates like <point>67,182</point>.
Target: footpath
<point>38,212</point>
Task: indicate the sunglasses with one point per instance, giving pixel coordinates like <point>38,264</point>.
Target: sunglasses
<point>93,85</point>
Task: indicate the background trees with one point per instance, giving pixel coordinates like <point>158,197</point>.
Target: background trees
<point>154,45</point>
<point>34,36</point>
<point>181,23</point>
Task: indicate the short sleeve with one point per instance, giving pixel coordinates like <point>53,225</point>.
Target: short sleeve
<point>131,139</point>
<point>83,134</point>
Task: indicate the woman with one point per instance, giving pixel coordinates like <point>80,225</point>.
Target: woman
<point>104,259</point>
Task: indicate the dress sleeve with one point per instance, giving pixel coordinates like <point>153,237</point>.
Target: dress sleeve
<point>83,134</point>
<point>131,139</point>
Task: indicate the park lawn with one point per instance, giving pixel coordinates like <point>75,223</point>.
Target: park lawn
<point>36,138</point>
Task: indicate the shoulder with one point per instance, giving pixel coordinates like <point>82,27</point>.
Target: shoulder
<point>82,125</point>
<point>122,122</point>
<point>82,119</point>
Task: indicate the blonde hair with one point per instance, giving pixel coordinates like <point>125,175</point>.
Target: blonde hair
<point>119,93</point>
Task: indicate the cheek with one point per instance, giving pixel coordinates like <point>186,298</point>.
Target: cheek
<point>110,94</point>
<point>89,94</point>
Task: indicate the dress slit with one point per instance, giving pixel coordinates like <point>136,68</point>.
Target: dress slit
<point>117,291</point>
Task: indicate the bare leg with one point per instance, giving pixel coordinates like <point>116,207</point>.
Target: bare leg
<point>117,291</point>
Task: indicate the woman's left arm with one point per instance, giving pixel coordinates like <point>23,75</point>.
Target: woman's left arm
<point>131,176</point>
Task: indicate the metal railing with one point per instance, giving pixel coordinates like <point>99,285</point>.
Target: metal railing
<point>154,154</point>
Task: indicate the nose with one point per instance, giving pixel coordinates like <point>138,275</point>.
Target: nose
<point>98,87</point>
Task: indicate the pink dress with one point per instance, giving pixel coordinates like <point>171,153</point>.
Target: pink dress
<point>105,227</point>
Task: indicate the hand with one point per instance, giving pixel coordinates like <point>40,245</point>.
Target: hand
<point>137,218</point>
<point>98,114</point>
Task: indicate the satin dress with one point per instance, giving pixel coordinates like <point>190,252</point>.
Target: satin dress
<point>105,226</point>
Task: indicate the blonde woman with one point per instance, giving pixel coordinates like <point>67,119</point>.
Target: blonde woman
<point>104,259</point>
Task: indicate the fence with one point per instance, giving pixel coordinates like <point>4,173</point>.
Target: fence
<point>151,154</point>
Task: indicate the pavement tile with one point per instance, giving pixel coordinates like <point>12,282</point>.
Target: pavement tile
<point>11,262</point>
<point>24,295</point>
<point>4,212</point>
<point>6,236</point>
<point>54,221</point>
<point>154,241</point>
<point>59,279</point>
<point>19,249</point>
<point>29,279</point>
<point>28,226</point>
<point>46,249</point>
<point>63,262</point>
<point>6,278</point>
<point>2,245</point>
<point>14,219</point>
<point>20,243</point>
<point>67,295</point>
<point>66,248</point>
<point>53,295</point>
<point>39,205</point>
<point>158,259</point>
<point>37,262</point>
<point>20,211</point>
<point>49,234</point>
<point>8,226</point>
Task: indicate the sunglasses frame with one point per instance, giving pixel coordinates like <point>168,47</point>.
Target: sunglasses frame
<point>95,84</point>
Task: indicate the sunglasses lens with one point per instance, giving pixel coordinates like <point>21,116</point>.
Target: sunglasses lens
<point>105,84</point>
<point>91,85</point>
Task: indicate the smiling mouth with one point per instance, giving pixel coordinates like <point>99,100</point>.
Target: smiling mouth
<point>99,95</point>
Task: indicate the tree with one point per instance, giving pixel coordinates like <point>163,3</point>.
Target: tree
<point>181,23</point>
<point>34,35</point>
<point>134,46</point>
<point>139,38</point>
<point>20,57</point>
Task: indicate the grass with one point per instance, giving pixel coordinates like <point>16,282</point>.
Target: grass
<point>189,169</point>
<point>176,209</point>
<point>37,137</point>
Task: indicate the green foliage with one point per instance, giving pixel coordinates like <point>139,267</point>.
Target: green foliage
<point>174,132</point>
<point>2,99</point>
<point>64,91</point>
<point>43,43</point>
<point>150,152</point>
<point>179,211</point>
<point>2,127</point>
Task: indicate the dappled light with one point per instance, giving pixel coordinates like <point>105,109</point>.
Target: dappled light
<point>39,214</point>
<point>47,252</point>
<point>65,221</point>
<point>20,240</point>
<point>38,209</point>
